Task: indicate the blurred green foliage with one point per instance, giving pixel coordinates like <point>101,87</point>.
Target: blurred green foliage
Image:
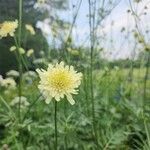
<point>9,11</point>
<point>118,111</point>
<point>120,90</point>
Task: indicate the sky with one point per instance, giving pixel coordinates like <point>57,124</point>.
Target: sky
<point>115,44</point>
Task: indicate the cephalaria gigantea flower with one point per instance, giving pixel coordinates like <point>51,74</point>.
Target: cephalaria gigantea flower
<point>8,28</point>
<point>59,81</point>
<point>30,52</point>
<point>12,48</point>
<point>30,29</point>
<point>21,50</point>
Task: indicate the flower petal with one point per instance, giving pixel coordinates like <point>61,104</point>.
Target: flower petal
<point>70,99</point>
<point>48,100</point>
<point>57,97</point>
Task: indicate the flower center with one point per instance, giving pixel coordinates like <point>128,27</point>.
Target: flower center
<point>60,80</point>
<point>8,27</point>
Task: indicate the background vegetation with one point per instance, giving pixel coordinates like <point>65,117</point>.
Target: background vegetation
<point>112,110</point>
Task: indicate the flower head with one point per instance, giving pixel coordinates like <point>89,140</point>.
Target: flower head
<point>13,73</point>
<point>30,29</point>
<point>41,1</point>
<point>21,50</point>
<point>7,83</point>
<point>59,81</point>
<point>22,100</point>
<point>8,28</point>
<point>12,48</point>
<point>30,52</point>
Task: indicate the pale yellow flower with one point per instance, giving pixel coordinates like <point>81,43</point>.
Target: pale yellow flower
<point>30,29</point>
<point>8,28</point>
<point>59,81</point>
<point>12,48</point>
<point>21,50</point>
<point>8,82</point>
<point>30,52</point>
<point>41,1</point>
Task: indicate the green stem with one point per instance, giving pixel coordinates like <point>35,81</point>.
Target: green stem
<point>92,42</point>
<point>20,22</point>
<point>85,81</point>
<point>65,107</point>
<point>145,79</point>
<point>147,132</point>
<point>65,114</point>
<point>55,119</point>
<point>20,89</point>
<point>19,55</point>
<point>66,143</point>
<point>34,102</point>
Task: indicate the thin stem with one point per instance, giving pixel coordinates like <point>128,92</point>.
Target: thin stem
<point>85,81</point>
<point>34,102</point>
<point>147,132</point>
<point>66,143</point>
<point>146,78</point>
<point>74,20</point>
<point>91,25</point>
<point>131,73</point>
<point>65,114</point>
<point>55,119</point>
<point>20,63</point>
<point>20,22</point>
<point>65,107</point>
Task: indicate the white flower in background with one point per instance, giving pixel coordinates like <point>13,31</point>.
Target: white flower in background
<point>40,61</point>
<point>30,52</point>
<point>8,83</point>
<point>30,74</point>
<point>1,79</point>
<point>12,48</point>
<point>12,73</point>
<point>23,102</point>
<point>29,77</point>
<point>30,29</point>
<point>44,26</point>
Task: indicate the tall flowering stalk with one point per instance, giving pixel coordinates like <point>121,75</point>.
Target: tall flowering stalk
<point>19,55</point>
<point>8,28</point>
<point>146,78</point>
<point>57,82</point>
<point>55,119</point>
<point>92,44</point>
